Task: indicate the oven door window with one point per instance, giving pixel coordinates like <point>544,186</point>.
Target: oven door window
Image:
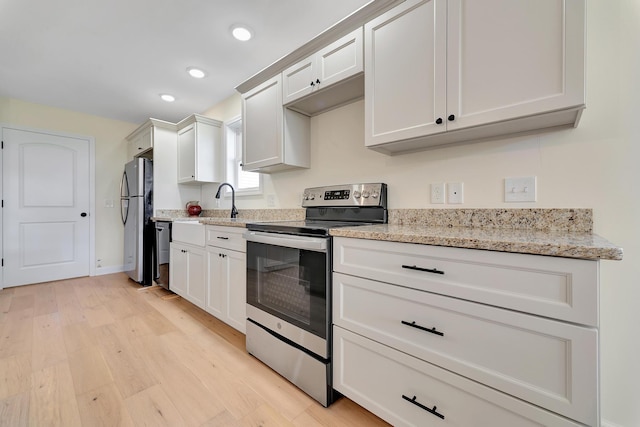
<point>290,284</point>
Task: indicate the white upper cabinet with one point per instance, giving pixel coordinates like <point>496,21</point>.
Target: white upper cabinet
<point>443,71</point>
<point>336,63</point>
<point>200,150</point>
<point>140,141</point>
<point>274,138</point>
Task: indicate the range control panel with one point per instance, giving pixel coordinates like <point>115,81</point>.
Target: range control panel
<point>371,194</point>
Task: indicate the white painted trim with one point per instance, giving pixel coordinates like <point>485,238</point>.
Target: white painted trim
<point>101,271</point>
<point>92,188</point>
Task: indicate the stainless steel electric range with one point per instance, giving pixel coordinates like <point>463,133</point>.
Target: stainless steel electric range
<point>289,283</point>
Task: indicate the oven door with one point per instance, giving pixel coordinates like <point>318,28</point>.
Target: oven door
<point>288,278</point>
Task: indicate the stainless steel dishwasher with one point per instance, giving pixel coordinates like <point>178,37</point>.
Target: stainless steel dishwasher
<point>161,254</point>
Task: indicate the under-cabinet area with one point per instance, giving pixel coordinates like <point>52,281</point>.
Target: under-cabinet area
<point>431,315</point>
<point>208,268</point>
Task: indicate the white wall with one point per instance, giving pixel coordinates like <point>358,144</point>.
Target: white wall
<point>596,165</point>
<point>110,151</point>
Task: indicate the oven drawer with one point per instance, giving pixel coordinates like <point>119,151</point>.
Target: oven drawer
<point>546,362</point>
<point>553,287</point>
<point>377,377</point>
<point>226,237</point>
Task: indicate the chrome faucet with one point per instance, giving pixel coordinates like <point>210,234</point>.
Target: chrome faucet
<point>234,211</point>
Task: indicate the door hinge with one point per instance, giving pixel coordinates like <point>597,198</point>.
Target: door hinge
<point>2,262</point>
<point>1,145</point>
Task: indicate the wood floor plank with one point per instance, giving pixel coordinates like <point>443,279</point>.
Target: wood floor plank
<point>129,370</point>
<point>344,413</point>
<point>48,342</point>
<point>16,333</point>
<point>78,335</point>
<point>45,300</point>
<point>14,410</point>
<point>89,369</point>
<point>103,407</point>
<point>53,400</point>
<point>22,302</point>
<point>98,315</point>
<point>265,416</point>
<point>191,398</point>
<point>69,306</point>
<point>15,375</point>
<point>152,407</point>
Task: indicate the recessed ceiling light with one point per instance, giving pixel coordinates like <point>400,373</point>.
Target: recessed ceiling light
<point>168,98</point>
<point>241,33</point>
<point>196,72</point>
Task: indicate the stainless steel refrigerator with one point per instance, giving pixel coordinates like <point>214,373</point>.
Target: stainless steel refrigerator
<point>136,209</point>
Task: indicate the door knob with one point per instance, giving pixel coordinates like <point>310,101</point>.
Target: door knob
<point>83,214</point>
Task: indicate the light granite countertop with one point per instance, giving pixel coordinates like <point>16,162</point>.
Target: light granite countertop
<point>568,244</point>
<point>557,232</point>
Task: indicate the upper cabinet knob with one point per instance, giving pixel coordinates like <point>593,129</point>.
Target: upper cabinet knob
<point>451,118</point>
<point>318,81</point>
<point>439,121</point>
<point>312,84</point>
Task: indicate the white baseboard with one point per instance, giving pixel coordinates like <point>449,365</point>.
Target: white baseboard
<point>109,270</point>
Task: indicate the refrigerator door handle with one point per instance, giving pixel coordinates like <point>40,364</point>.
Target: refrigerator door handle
<point>156,264</point>
<point>124,198</point>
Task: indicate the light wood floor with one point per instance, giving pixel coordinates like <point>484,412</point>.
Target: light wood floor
<point>99,352</point>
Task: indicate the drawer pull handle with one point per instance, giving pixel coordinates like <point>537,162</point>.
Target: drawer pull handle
<point>428,270</point>
<point>222,238</point>
<point>420,405</point>
<point>422,328</point>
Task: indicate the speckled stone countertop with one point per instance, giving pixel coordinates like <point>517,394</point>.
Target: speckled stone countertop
<point>550,231</point>
<point>566,244</point>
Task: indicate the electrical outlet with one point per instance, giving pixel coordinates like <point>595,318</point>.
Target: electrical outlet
<point>520,189</point>
<point>271,200</point>
<point>455,193</point>
<point>437,193</point>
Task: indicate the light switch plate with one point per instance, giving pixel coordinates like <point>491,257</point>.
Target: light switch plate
<point>455,193</point>
<point>520,189</point>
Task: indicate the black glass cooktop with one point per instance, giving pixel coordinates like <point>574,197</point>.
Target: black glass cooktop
<point>302,228</point>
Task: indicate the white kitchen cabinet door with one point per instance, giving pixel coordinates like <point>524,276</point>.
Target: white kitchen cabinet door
<point>274,138</point>
<point>405,72</point>
<point>188,273</point>
<point>235,274</point>
<point>196,276</point>
<point>178,269</point>
<point>200,150</point>
<point>332,64</point>
<point>141,142</point>
<point>226,296</point>
<point>445,71</point>
<point>509,59</point>
<point>215,283</point>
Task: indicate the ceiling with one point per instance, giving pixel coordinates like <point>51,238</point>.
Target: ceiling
<point>114,58</point>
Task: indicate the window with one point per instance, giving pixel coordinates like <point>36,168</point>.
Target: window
<point>245,183</point>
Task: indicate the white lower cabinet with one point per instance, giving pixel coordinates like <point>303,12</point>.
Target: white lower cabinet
<point>226,287</point>
<point>188,272</point>
<point>441,326</point>
<point>407,391</point>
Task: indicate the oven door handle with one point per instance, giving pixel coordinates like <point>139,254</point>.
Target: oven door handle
<point>289,241</point>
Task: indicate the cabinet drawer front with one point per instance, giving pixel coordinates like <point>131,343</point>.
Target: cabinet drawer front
<point>553,287</point>
<point>549,363</point>
<point>377,377</point>
<point>226,237</point>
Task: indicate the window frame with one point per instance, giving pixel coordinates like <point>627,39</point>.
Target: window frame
<point>233,133</point>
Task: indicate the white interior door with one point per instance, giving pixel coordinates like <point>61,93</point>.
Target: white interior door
<point>46,195</point>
